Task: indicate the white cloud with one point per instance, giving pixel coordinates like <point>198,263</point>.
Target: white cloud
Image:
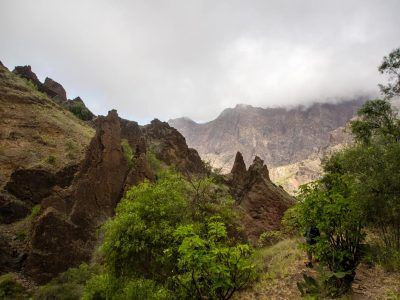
<point>167,59</point>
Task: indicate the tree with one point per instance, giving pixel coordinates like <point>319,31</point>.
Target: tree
<point>391,67</point>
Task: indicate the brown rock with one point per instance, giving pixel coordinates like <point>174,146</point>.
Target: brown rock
<point>239,171</point>
<point>31,185</point>
<point>55,90</point>
<point>65,234</point>
<point>262,201</point>
<point>170,147</point>
<point>26,72</point>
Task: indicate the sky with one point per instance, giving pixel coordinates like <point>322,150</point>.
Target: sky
<point>166,59</point>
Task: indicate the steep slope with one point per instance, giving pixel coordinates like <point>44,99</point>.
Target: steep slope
<point>279,136</point>
<point>35,132</point>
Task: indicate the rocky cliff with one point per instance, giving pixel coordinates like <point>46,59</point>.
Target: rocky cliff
<point>281,137</point>
<point>61,177</point>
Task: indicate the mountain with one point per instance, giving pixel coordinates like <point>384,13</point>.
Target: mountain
<point>286,139</point>
<point>62,176</point>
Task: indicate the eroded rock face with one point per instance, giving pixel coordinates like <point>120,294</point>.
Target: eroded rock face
<point>55,90</point>
<point>65,233</point>
<point>263,202</point>
<point>33,185</point>
<point>27,73</point>
<point>170,147</point>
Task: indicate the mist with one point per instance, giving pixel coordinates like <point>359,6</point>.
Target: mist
<point>168,59</point>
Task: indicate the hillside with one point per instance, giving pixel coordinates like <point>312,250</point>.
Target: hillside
<point>62,177</point>
<point>36,132</point>
<point>291,141</point>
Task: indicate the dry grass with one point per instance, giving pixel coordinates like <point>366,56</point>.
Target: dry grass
<point>282,265</point>
<point>34,128</point>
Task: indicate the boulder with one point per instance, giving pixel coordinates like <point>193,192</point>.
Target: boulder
<point>54,90</point>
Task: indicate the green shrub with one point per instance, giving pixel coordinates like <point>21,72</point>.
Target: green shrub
<point>100,287</point>
<point>35,211</point>
<point>80,110</point>
<point>66,291</point>
<point>328,204</point>
<point>140,289</point>
<point>10,288</point>
<point>67,285</point>
<point>135,239</point>
<point>210,268</point>
<point>128,152</point>
<point>270,237</point>
<point>51,159</point>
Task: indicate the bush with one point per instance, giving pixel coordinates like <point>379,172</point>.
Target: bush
<point>269,238</point>
<point>135,239</point>
<point>144,250</point>
<point>51,159</point>
<point>104,286</point>
<point>128,152</point>
<point>67,285</point>
<point>328,205</point>
<point>210,268</point>
<point>10,288</point>
<point>80,110</point>
<point>145,289</point>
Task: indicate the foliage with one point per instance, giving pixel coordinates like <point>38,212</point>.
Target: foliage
<point>374,163</point>
<point>329,205</point>
<point>51,159</point>
<point>210,268</point>
<point>128,152</point>
<point>376,118</point>
<point>104,286</point>
<point>144,243</point>
<point>145,289</point>
<point>136,238</point>
<point>291,221</point>
<point>154,163</point>
<point>67,285</point>
<point>270,238</point>
<point>10,288</point>
<point>35,211</point>
<point>80,110</point>
<point>391,67</point>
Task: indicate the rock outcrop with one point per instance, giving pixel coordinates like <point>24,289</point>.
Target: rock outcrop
<point>262,201</point>
<point>56,92</point>
<point>65,233</point>
<point>27,73</point>
<point>170,146</point>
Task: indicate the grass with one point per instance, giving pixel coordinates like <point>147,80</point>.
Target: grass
<point>10,288</point>
<point>279,261</point>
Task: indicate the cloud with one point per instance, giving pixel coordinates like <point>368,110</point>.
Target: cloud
<point>191,58</point>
